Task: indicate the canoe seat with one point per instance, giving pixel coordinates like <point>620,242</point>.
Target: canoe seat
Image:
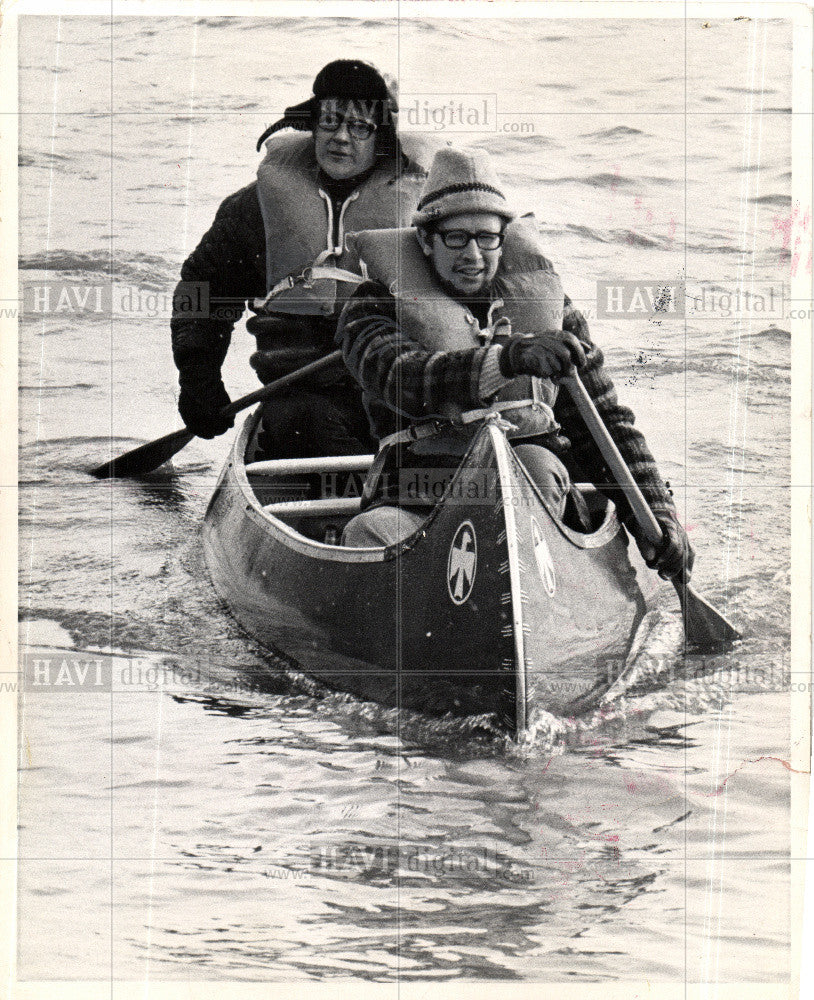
<point>332,507</point>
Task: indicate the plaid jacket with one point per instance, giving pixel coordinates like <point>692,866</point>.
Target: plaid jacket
<point>402,381</point>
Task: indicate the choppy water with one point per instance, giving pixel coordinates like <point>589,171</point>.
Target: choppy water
<point>205,829</point>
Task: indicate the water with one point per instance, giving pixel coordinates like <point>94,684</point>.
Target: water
<point>209,830</point>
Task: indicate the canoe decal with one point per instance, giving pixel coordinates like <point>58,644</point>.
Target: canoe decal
<point>545,564</point>
<point>462,563</point>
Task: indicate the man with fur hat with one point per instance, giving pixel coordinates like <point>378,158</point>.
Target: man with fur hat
<point>278,243</point>
<point>463,317</point>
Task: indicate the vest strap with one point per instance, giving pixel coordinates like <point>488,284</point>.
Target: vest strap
<point>415,432</point>
<point>513,404</point>
<point>429,428</point>
<point>329,271</point>
<point>307,277</point>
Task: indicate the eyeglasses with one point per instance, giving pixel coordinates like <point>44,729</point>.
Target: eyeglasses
<point>358,128</point>
<point>457,239</point>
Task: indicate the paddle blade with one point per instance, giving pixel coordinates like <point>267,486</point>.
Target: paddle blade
<point>705,627</point>
<point>146,457</point>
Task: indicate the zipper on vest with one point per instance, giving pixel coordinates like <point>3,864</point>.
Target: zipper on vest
<point>488,332</point>
<point>336,248</point>
<point>329,240</point>
<point>341,234</point>
<point>490,318</point>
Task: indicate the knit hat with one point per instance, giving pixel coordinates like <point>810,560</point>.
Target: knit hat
<point>342,79</point>
<point>461,180</point>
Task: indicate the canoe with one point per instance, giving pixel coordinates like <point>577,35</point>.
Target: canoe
<point>493,606</point>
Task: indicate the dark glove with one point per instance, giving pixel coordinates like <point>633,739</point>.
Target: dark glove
<point>200,407</point>
<point>574,322</point>
<point>674,554</point>
<point>546,355</point>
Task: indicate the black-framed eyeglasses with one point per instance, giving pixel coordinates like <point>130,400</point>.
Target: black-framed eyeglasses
<point>457,239</point>
<point>358,128</point>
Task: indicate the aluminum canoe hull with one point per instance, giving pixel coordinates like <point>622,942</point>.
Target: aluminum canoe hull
<point>494,606</point>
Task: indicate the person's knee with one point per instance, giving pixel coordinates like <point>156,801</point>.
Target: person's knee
<point>284,427</point>
<point>543,465</point>
<point>554,482</point>
<point>547,472</point>
<point>379,527</point>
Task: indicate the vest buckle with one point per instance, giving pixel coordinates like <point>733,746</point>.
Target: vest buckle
<point>427,428</point>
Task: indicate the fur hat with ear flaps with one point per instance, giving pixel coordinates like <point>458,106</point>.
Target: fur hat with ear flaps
<point>461,181</point>
<point>342,79</point>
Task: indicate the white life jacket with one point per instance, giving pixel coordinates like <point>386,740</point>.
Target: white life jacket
<point>528,298</point>
<point>306,272</point>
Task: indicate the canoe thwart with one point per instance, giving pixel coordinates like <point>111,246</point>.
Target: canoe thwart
<point>333,506</point>
<point>299,466</point>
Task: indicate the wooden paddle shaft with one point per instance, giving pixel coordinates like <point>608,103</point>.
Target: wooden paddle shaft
<point>280,383</point>
<point>704,626</point>
<point>616,464</point>
<point>147,457</point>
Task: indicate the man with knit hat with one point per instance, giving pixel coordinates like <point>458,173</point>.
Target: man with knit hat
<point>463,316</point>
<point>332,164</point>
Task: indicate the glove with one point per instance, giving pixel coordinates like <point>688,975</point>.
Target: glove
<point>546,355</point>
<point>574,322</point>
<point>200,407</point>
<point>673,555</point>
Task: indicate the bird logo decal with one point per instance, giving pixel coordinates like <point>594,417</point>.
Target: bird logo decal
<point>462,563</point>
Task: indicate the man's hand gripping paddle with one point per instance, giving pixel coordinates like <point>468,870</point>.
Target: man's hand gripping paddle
<point>147,457</point>
<point>704,627</point>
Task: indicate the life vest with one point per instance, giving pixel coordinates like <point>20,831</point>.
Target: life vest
<point>306,272</point>
<point>527,298</point>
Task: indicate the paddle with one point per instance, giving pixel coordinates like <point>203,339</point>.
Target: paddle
<point>147,457</point>
<point>704,626</point>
